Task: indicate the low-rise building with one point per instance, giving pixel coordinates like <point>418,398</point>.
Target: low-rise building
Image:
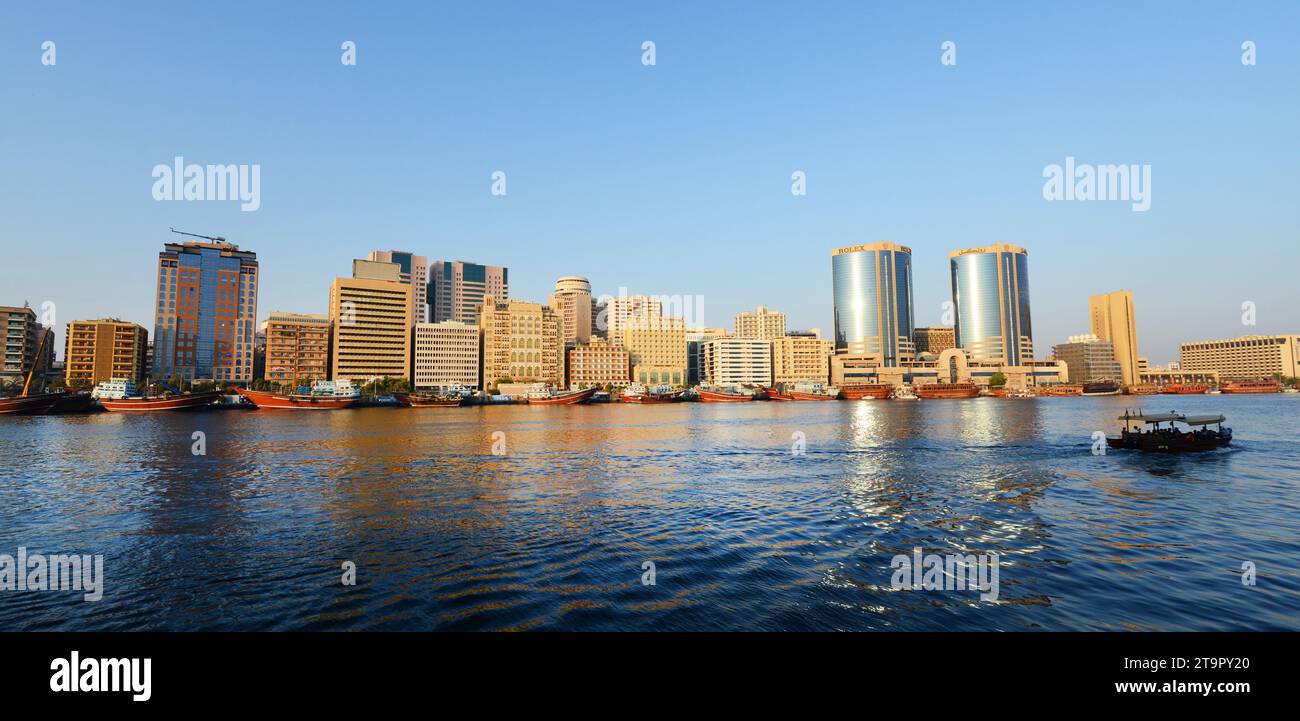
<point>801,357</point>
<point>297,347</point>
<point>731,361</point>
<point>1247,358</point>
<point>97,350</point>
<point>445,355</point>
<point>599,363</point>
<point>1089,359</point>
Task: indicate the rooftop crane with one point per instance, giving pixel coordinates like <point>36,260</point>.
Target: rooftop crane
<point>196,235</point>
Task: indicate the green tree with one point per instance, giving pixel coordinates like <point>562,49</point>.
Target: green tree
<point>997,380</point>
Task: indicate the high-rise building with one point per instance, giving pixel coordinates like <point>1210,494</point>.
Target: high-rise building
<point>571,301</point>
<point>1249,357</point>
<point>801,357</point>
<point>872,286</point>
<point>457,289</point>
<point>657,346</point>
<point>732,361</point>
<point>370,317</point>
<point>621,310</point>
<point>414,269</point>
<point>521,341</point>
<point>935,339</point>
<point>598,363</point>
<point>1113,320</point>
<point>205,312</point>
<point>990,295</point>
<point>762,323</point>
<point>297,347</point>
<point>1088,358</point>
<point>98,350</point>
<point>22,341</point>
<point>445,356</point>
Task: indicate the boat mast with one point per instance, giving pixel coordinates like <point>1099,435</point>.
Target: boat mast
<point>39,347</point>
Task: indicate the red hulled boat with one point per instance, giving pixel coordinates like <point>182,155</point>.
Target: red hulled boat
<point>1269,386</point>
<point>30,405</point>
<point>721,396</point>
<point>866,391</point>
<point>324,396</point>
<point>1180,389</point>
<point>142,404</point>
<point>946,390</point>
<point>1142,389</point>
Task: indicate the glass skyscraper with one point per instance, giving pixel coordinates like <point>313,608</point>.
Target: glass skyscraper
<point>990,295</point>
<point>872,287</point>
<point>206,312</point>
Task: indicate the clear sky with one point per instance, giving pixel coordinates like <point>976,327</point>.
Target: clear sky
<point>669,179</point>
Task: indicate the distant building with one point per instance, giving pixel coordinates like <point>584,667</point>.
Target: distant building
<point>446,355</point>
<point>872,289</point>
<point>458,289</point>
<point>762,323</point>
<point>1245,358</point>
<point>521,341</point>
<point>1113,320</point>
<point>205,312</point>
<point>657,346</point>
<point>98,350</point>
<point>599,363</point>
<point>990,295</point>
<point>934,339</point>
<point>414,270</point>
<point>621,310</point>
<point>1089,359</point>
<point>370,317</point>
<point>801,357</point>
<point>22,340</point>
<point>732,361</point>
<point>571,301</point>
<point>695,339</point>
<point>297,347</point>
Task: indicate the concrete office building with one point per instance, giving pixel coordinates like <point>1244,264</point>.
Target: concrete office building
<point>990,295</point>
<point>572,302</point>
<point>801,357</point>
<point>1089,359</point>
<point>1251,357</point>
<point>99,350</point>
<point>695,339</point>
<point>445,355</point>
<point>934,339</point>
<point>598,363</point>
<point>370,317</point>
<point>657,348</point>
<point>205,312</point>
<point>731,361</point>
<point>621,310</point>
<point>1113,320</point>
<point>22,341</point>
<point>458,289</point>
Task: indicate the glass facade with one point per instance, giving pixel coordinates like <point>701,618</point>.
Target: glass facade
<point>206,313</point>
<point>872,288</point>
<point>990,295</point>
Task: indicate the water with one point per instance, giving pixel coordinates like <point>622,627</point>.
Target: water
<point>743,533</point>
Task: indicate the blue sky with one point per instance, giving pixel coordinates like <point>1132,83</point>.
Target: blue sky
<point>666,179</point>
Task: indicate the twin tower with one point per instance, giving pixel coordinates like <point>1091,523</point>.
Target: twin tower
<point>875,314</point>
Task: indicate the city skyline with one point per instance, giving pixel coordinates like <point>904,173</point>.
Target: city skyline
<point>931,157</point>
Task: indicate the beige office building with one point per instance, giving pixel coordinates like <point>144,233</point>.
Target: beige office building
<point>621,310</point>
<point>445,355</point>
<point>801,357</point>
<point>521,341</point>
<point>761,323</point>
<point>571,301</point>
<point>1113,320</point>
<point>657,346</point>
<point>1247,358</point>
<point>413,270</point>
<point>1089,359</point>
<point>732,361</point>
<point>598,363</point>
<point>370,315</point>
<point>98,350</point>
<point>457,289</point>
<point>297,348</point>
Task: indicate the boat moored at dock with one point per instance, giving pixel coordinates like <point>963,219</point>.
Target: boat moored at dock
<point>556,397</point>
<point>1259,386</point>
<point>865,391</point>
<point>1101,388</point>
<point>709,394</point>
<point>638,393</point>
<point>1181,389</point>
<point>927,391</point>
<point>323,396</point>
<point>428,400</point>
